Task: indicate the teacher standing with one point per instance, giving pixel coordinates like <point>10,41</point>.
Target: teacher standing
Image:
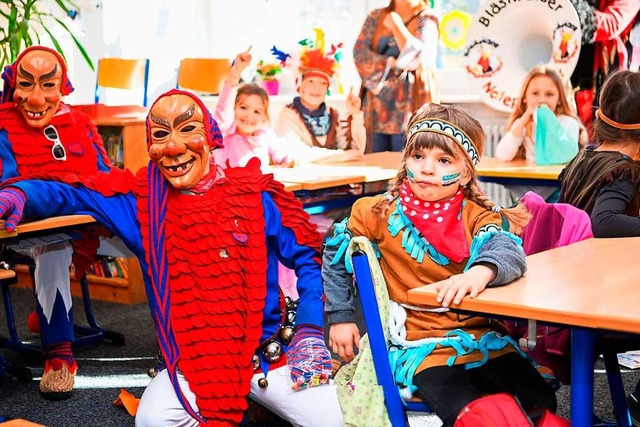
<point>396,48</point>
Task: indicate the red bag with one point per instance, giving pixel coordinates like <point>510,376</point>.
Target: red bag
<point>504,410</point>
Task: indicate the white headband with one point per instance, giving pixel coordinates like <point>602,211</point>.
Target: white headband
<point>448,129</point>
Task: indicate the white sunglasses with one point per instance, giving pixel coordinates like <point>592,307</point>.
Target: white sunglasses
<point>57,151</point>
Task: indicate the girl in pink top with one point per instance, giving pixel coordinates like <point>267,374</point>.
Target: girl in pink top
<point>245,124</point>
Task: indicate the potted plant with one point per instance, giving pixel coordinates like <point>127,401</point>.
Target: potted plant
<point>23,22</point>
<point>269,73</point>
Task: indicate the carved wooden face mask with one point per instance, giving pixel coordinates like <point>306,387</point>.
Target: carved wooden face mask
<point>177,140</point>
<point>38,87</point>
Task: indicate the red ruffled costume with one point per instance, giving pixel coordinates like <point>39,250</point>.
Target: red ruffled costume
<point>216,257</point>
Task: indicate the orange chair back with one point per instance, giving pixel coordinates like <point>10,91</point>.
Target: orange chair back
<point>203,75</point>
<point>121,73</point>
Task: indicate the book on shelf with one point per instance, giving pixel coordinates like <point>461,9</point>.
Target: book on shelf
<point>107,266</point>
<point>113,144</point>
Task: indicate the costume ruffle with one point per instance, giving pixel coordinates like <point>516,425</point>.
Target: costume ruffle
<point>209,312</point>
<point>293,216</point>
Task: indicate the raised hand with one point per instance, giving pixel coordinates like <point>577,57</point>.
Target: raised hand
<point>353,102</point>
<point>12,201</point>
<point>308,358</point>
<point>242,61</point>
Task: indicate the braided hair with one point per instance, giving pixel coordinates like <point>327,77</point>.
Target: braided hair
<point>516,216</point>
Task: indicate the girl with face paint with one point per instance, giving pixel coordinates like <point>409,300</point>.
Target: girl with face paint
<point>436,226</point>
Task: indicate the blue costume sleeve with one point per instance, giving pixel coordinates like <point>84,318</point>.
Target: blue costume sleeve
<point>303,259</point>
<point>118,213</point>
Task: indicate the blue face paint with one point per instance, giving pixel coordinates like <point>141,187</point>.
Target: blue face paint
<point>410,175</point>
<point>450,179</point>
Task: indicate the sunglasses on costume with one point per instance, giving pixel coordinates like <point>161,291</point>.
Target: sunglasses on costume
<point>57,151</point>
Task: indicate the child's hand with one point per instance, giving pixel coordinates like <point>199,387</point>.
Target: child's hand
<point>242,61</point>
<point>353,102</point>
<point>472,282</point>
<point>343,339</point>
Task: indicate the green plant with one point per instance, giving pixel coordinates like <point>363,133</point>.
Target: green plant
<point>23,22</point>
<point>269,70</point>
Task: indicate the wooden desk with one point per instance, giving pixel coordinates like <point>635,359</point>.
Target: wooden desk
<point>517,172</point>
<point>591,284</point>
<point>128,290</point>
<point>46,224</point>
<point>130,121</point>
<point>321,183</point>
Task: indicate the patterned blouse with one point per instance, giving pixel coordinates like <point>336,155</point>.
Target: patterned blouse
<point>387,101</point>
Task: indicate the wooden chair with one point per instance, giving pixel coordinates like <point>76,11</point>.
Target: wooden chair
<point>396,406</point>
<point>203,75</point>
<point>121,73</point>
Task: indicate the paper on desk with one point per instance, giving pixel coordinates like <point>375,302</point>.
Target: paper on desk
<point>630,359</point>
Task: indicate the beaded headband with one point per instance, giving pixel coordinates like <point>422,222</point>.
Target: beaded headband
<point>610,122</point>
<point>447,129</point>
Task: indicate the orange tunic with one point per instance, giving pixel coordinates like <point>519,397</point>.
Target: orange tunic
<point>402,272</point>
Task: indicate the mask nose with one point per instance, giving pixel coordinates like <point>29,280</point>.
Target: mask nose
<point>174,149</point>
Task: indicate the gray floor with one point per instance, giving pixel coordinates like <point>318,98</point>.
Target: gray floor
<point>105,369</point>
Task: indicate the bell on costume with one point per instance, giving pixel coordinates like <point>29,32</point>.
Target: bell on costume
<point>291,317</point>
<point>286,334</point>
<point>272,351</point>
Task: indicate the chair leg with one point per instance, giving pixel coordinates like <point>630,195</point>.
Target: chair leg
<point>94,333</point>
<point>21,373</point>
<point>616,388</point>
<point>14,341</point>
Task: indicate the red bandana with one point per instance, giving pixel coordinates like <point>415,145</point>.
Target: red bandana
<point>438,222</point>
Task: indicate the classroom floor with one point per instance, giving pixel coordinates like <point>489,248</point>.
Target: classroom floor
<point>105,369</point>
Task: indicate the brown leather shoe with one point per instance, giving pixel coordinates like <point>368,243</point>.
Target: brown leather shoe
<point>57,380</point>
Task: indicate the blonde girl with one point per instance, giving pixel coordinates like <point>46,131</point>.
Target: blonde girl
<point>543,85</point>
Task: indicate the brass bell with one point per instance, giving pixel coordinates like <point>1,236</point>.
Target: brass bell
<point>286,334</point>
<point>272,352</point>
<point>291,317</point>
<point>152,372</point>
<point>256,362</point>
<point>263,383</point>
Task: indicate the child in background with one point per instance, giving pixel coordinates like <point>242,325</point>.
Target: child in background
<point>542,85</point>
<point>604,181</point>
<point>245,124</point>
<point>436,226</point>
<point>309,120</point>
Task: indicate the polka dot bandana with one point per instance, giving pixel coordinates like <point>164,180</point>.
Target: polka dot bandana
<point>438,222</point>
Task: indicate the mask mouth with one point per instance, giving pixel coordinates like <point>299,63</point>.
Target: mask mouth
<point>180,168</point>
<point>35,115</point>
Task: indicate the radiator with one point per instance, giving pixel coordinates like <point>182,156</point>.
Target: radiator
<point>497,193</point>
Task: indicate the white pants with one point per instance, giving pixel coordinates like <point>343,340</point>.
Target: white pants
<point>51,275</point>
<point>316,406</point>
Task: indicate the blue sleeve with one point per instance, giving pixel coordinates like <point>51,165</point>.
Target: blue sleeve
<point>303,259</point>
<point>8,166</point>
<point>118,213</point>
